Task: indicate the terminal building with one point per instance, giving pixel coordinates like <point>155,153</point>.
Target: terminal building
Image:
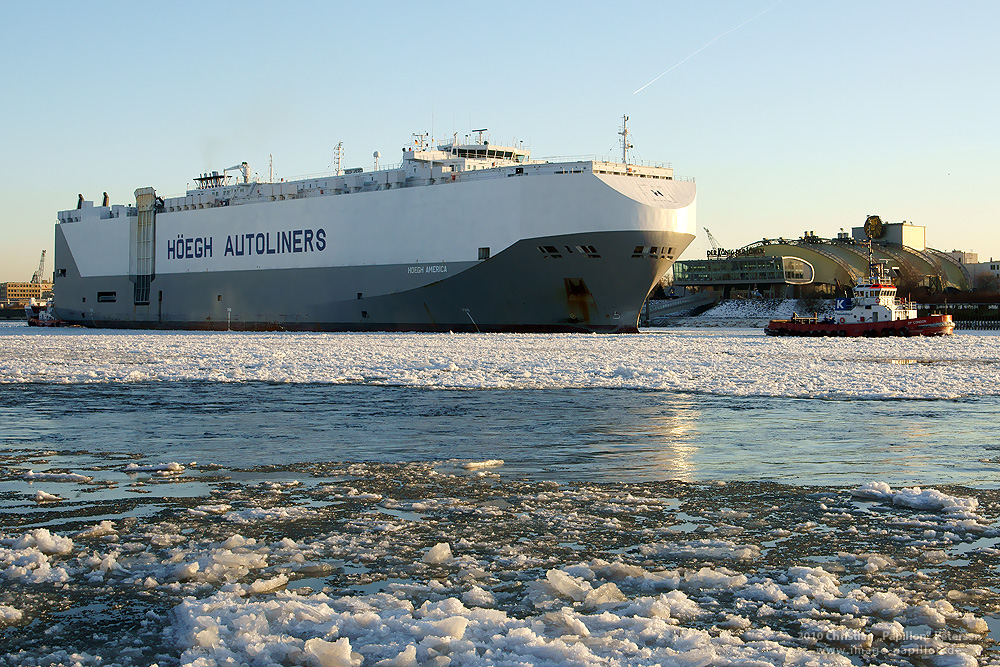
<point>19,294</point>
<point>788,268</point>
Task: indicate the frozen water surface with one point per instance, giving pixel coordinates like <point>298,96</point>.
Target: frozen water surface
<point>672,498</point>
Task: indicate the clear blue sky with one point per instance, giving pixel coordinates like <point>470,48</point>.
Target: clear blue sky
<point>810,116</point>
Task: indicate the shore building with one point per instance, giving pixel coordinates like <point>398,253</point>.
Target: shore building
<point>780,268</point>
<point>18,294</point>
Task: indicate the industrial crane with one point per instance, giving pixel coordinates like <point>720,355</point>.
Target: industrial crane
<point>717,249</point>
<point>711,239</point>
<point>36,279</point>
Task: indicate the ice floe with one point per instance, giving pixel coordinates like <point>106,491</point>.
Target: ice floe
<point>724,362</point>
<point>405,567</point>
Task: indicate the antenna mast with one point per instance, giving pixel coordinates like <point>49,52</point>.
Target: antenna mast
<point>625,143</point>
<point>338,157</point>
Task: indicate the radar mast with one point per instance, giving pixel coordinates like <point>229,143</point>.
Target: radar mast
<point>623,133</point>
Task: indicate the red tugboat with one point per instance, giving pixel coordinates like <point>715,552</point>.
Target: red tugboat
<point>40,314</point>
<point>872,311</point>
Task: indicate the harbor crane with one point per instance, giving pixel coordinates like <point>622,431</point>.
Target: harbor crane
<point>36,279</point>
<point>717,250</point>
<point>716,246</point>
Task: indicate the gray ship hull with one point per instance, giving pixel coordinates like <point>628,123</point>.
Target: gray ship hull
<point>545,284</point>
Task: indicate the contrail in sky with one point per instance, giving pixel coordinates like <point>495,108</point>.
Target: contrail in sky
<point>709,43</point>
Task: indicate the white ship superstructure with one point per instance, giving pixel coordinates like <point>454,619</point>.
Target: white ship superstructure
<point>470,236</point>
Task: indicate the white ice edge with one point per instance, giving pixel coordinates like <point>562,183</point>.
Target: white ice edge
<point>722,362</point>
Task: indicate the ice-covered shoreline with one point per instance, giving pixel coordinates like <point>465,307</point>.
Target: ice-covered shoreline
<point>722,362</point>
<point>745,313</point>
<point>453,564</point>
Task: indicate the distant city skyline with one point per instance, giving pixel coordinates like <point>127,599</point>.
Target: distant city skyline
<point>790,115</point>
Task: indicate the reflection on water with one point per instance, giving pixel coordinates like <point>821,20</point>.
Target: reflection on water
<point>564,434</point>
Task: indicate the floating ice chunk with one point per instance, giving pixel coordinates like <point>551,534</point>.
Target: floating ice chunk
<point>439,554</point>
<point>172,468</point>
<point>452,627</point>
<point>267,585</point>
<point>927,614</point>
<point>735,622</point>
<point>99,530</point>
<point>33,476</point>
<point>207,638</point>
<point>568,622</point>
<point>406,658</point>
<point>765,591</point>
<point>933,499</point>
<point>186,571</point>
<point>205,510</point>
<point>9,615</point>
<point>273,514</point>
<point>935,652</point>
<point>350,494</point>
<point>885,604</point>
<point>235,541</point>
<point>478,597</point>
<point>681,606</point>
<point>44,541</point>
<point>891,631</point>
<point>973,624</point>
<point>876,563</point>
<point>935,556</point>
<point>917,498</point>
<point>605,594</point>
<point>708,578</point>
<point>479,465</point>
<point>873,491</point>
<point>812,582</point>
<point>321,653</point>
<point>569,586</point>
<point>42,497</point>
<point>702,549</point>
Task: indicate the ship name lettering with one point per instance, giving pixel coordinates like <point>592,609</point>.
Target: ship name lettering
<point>189,248</point>
<point>262,243</point>
<point>437,268</point>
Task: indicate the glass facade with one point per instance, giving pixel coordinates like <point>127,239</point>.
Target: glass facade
<point>741,270</point>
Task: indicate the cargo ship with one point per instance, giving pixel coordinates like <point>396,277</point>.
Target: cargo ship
<point>466,236</point>
<point>873,310</point>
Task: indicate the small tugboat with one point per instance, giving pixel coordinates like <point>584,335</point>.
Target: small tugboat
<point>872,311</point>
<point>40,314</point>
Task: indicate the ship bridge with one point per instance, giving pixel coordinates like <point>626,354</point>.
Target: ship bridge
<point>465,157</point>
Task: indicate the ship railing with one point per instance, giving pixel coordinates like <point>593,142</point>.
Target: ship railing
<point>804,319</point>
<point>332,174</point>
<point>500,171</point>
<point>603,159</point>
